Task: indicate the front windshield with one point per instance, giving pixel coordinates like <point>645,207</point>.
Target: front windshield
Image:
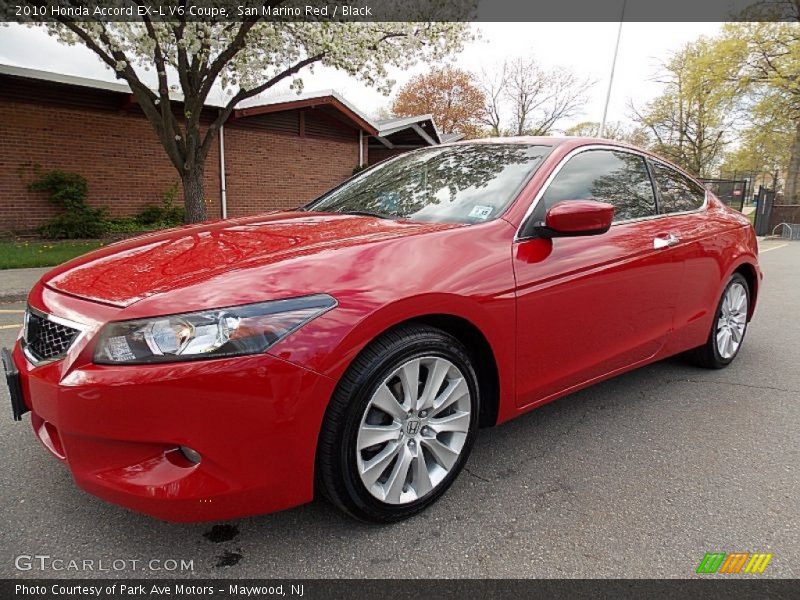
<point>465,183</point>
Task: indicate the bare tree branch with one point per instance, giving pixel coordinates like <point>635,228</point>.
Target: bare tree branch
<point>541,98</point>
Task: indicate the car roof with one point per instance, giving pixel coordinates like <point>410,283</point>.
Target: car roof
<point>546,140</point>
<point>521,139</point>
<point>568,143</point>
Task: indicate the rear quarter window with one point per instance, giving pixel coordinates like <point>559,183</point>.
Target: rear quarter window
<point>678,192</point>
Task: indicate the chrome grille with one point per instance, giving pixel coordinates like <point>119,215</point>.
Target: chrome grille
<point>46,339</point>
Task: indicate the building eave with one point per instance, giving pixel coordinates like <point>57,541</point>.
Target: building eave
<point>327,98</point>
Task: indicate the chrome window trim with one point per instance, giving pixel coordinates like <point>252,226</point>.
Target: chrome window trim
<point>589,147</point>
<point>81,327</point>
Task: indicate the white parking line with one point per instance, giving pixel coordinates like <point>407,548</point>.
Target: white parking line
<point>10,311</point>
<point>10,326</point>
<point>773,248</point>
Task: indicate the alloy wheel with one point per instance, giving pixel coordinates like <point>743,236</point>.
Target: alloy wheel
<point>732,320</point>
<point>413,430</point>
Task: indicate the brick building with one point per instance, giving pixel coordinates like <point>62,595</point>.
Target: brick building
<point>272,154</point>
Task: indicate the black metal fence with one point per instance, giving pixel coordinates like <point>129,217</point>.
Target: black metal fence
<point>732,192</point>
<point>765,199</point>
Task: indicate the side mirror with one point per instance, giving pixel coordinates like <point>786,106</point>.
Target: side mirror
<point>576,218</point>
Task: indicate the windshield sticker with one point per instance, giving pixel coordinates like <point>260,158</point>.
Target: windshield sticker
<point>480,212</point>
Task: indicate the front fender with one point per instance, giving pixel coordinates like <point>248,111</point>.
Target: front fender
<point>329,344</point>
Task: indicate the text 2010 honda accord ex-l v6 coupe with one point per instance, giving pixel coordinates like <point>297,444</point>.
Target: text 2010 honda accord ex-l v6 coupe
<point>355,346</point>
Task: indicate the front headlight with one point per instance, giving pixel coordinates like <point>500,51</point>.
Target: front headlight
<point>214,333</point>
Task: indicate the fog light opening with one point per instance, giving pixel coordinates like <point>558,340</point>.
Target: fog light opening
<point>193,456</point>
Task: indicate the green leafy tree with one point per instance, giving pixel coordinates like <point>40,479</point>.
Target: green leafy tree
<point>767,55</point>
<point>690,122</point>
<point>764,145</point>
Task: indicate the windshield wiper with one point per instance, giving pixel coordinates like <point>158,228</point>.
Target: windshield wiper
<point>369,213</point>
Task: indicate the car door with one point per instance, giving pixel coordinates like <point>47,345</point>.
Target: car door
<point>590,306</point>
<point>699,243</point>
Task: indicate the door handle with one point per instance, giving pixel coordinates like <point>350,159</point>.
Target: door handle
<point>665,241</point>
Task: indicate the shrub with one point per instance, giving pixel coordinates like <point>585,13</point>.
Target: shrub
<point>68,191</point>
<point>75,225</point>
<point>123,225</point>
<point>167,214</point>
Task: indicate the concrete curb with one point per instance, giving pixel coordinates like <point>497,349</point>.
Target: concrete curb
<point>9,298</point>
<point>16,283</point>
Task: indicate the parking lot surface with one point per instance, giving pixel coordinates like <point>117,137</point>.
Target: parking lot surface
<point>639,476</point>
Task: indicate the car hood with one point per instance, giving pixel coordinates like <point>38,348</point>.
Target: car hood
<point>126,272</point>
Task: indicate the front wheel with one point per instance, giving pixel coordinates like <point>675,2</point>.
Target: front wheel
<point>728,327</point>
<point>400,425</point>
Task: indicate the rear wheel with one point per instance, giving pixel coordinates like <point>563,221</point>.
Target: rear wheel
<point>729,326</point>
<point>400,425</point>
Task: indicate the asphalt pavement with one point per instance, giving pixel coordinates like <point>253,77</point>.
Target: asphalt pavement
<point>639,476</point>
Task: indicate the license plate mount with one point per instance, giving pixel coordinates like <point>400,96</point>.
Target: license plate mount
<point>18,406</point>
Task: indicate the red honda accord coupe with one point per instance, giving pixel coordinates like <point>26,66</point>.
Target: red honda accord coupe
<point>354,346</point>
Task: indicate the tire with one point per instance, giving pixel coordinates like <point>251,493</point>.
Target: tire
<point>715,354</point>
<point>362,479</point>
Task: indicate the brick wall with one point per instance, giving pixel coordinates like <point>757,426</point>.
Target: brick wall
<point>266,170</point>
<point>377,154</point>
<point>283,160</point>
<point>116,151</point>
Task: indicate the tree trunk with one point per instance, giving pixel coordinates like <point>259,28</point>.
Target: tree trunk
<point>193,196</point>
<point>792,195</point>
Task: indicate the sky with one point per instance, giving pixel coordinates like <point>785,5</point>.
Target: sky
<point>586,48</point>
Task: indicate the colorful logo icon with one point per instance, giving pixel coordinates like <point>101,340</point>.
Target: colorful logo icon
<point>735,562</point>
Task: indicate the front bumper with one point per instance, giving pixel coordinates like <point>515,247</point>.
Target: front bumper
<point>254,420</point>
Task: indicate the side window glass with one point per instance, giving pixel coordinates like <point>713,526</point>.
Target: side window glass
<point>678,192</point>
<point>619,178</point>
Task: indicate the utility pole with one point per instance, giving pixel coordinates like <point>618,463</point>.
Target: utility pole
<point>602,131</point>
